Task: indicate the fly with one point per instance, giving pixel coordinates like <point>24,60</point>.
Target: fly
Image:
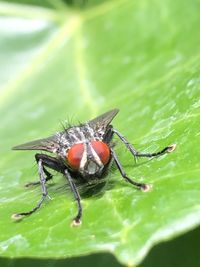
<point>84,152</point>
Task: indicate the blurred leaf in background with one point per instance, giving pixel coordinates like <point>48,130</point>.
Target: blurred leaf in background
<point>61,62</point>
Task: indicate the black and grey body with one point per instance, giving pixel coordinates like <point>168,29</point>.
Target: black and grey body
<point>92,165</point>
<point>97,129</point>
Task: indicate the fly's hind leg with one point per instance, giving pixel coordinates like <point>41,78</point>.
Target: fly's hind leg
<point>42,160</point>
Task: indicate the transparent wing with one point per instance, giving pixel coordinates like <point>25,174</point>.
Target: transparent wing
<point>102,121</point>
<point>49,144</point>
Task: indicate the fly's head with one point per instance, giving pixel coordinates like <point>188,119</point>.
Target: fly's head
<point>89,158</point>
<point>89,153</point>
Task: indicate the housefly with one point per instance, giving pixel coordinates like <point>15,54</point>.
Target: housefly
<point>84,152</point>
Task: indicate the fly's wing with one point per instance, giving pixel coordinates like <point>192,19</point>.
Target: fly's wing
<point>49,144</point>
<point>101,122</point>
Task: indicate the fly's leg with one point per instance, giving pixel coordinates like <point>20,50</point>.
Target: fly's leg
<point>141,186</point>
<point>44,193</point>
<point>77,219</point>
<point>165,150</point>
<point>136,153</point>
<point>42,160</point>
<point>49,176</point>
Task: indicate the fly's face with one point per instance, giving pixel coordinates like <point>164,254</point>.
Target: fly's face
<point>88,158</point>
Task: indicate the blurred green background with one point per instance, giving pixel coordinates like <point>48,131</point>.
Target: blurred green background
<point>73,60</point>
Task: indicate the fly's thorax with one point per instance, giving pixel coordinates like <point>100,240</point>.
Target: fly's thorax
<point>88,158</point>
<point>78,134</point>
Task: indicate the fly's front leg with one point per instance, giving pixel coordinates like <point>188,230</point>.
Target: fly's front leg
<point>136,153</point>
<point>77,219</point>
<point>141,186</point>
<point>49,176</point>
<point>18,216</point>
<point>42,160</point>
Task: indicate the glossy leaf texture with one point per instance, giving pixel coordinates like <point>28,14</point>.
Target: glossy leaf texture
<point>60,63</point>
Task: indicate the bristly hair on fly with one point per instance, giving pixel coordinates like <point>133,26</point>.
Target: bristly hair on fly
<point>83,154</point>
<point>68,123</point>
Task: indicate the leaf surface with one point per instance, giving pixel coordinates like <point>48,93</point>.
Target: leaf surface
<point>61,63</point>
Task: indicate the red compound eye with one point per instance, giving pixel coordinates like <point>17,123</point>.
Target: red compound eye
<point>102,151</point>
<point>75,155</point>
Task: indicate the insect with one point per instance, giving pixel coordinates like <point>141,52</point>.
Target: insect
<point>84,152</point>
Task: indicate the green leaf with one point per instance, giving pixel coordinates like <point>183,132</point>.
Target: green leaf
<point>61,63</point>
